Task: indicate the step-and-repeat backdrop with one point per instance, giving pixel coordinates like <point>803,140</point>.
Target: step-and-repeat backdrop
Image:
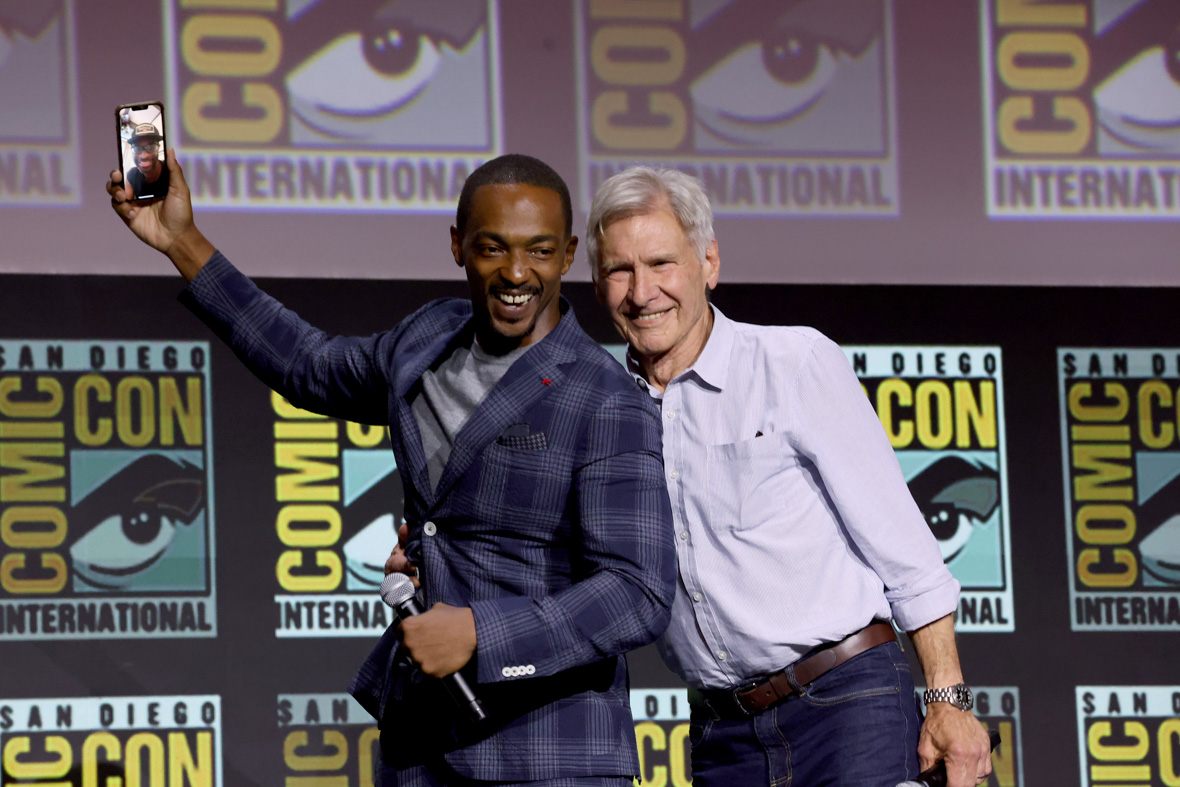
<point>189,564</point>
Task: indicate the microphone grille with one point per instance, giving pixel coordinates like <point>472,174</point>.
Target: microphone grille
<point>396,589</point>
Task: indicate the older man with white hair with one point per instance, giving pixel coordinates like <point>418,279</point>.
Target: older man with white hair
<point>797,538</point>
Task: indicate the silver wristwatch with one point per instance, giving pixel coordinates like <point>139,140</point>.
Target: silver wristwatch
<point>958,695</point>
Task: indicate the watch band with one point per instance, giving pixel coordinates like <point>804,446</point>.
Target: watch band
<point>958,695</point>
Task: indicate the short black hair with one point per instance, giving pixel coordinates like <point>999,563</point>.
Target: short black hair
<point>514,168</point>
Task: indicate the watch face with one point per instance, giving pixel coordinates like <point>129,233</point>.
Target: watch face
<point>963,697</point>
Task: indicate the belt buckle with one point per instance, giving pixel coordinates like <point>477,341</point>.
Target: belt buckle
<point>747,686</point>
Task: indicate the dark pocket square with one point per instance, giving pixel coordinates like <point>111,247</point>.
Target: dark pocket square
<point>518,436</point>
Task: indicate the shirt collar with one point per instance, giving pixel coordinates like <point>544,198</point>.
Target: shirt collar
<point>711,366</point>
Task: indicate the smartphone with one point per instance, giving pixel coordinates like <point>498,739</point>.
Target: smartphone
<point>142,142</point>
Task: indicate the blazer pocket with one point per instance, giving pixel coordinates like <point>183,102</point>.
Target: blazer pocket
<point>537,441</point>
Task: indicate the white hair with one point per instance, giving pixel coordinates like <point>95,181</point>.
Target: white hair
<point>642,190</point>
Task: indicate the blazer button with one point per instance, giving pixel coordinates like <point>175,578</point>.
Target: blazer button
<point>429,528</point>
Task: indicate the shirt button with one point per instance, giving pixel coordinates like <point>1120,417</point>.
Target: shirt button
<point>429,528</point>
<point>683,535</point>
<point>670,415</point>
<point>674,474</point>
<point>697,596</point>
<point>721,655</point>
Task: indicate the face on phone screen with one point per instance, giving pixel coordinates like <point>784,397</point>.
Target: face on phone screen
<point>141,148</point>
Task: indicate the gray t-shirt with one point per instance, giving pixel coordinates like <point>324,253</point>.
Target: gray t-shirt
<point>448,396</point>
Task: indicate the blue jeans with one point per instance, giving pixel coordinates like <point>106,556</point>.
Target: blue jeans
<point>856,726</point>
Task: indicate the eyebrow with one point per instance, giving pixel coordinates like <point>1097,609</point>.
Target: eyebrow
<point>497,238</point>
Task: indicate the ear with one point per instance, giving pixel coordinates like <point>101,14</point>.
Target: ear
<point>456,246</point>
<point>570,248</point>
<point>712,265</point>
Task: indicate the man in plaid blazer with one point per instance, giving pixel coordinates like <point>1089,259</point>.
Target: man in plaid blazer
<point>534,496</point>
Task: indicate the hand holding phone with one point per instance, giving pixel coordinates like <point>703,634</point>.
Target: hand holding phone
<point>142,142</point>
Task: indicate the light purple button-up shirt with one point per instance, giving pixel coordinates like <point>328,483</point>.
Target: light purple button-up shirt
<point>794,525</point>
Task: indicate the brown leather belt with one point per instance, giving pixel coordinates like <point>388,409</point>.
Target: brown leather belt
<point>753,697</point>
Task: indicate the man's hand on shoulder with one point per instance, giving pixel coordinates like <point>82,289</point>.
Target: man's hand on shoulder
<point>957,737</point>
<point>398,561</point>
<point>164,224</point>
<point>441,640</point>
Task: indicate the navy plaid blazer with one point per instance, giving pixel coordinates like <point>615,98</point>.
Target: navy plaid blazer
<point>551,522</point>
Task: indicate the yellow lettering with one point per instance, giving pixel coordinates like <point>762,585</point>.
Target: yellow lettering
<point>43,767</point>
<point>185,412</point>
<point>932,412</point>
<point>1015,109</point>
<point>662,105</point>
<point>1035,13</point>
<point>23,486</point>
<point>50,561</point>
<point>978,415</point>
<point>899,431</point>
<point>46,409</point>
<point>32,538</point>
<point>88,386</point>
<point>1155,434</point>
<point>126,415</point>
<point>304,483</point>
<point>321,582</point>
<point>182,768</point>
<point>1107,579</point>
<point>1099,483</point>
<point>1043,78</point>
<point>137,745</point>
<point>111,750</point>
<point>327,762</point>
<point>666,10</point>
<point>650,736</point>
<point>235,62</point>
<point>320,526</point>
<point>202,95</point>
<point>1121,533</point>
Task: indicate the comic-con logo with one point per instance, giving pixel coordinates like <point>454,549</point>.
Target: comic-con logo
<point>998,709</point>
<point>39,151</point>
<point>334,104</point>
<point>1082,108</point>
<point>147,740</point>
<point>105,480</point>
<point>661,733</point>
<point>1128,735</point>
<point>327,739</point>
<point>339,503</point>
<point>1120,438</point>
<point>942,409</point>
<point>781,107</point>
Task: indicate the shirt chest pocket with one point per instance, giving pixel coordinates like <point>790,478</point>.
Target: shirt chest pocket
<point>745,483</point>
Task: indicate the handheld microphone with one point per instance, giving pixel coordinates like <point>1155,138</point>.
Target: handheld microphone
<point>935,775</point>
<point>398,592</point>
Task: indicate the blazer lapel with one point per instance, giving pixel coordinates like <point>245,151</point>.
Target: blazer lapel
<point>533,377</point>
<point>405,377</point>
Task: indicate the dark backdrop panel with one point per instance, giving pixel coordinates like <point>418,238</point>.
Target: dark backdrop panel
<point>262,681</point>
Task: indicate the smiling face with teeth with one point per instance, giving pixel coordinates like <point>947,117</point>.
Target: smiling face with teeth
<point>515,248</point>
<point>654,284</point>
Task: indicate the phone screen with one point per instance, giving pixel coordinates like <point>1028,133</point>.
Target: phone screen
<point>142,141</point>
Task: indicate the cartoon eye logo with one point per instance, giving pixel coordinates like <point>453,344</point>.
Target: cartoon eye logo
<point>375,514</point>
<point>783,76</point>
<point>1135,61</point>
<point>133,518</point>
<point>380,63</point>
<point>796,61</point>
<point>366,74</point>
<point>955,496</point>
